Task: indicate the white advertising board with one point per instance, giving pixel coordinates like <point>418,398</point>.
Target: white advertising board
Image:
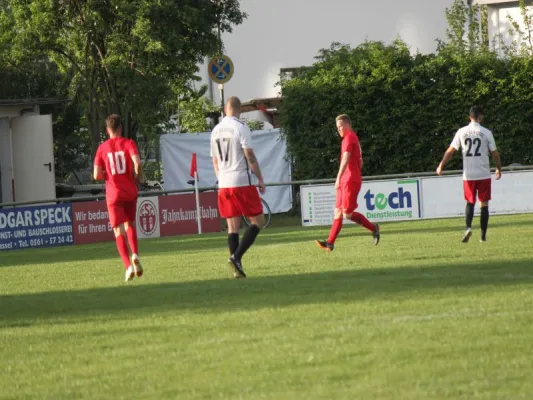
<point>396,200</point>
<point>431,197</point>
<point>443,196</point>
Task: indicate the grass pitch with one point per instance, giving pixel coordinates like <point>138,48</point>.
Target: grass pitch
<point>421,316</point>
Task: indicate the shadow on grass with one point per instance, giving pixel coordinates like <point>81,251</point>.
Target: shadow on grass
<point>260,292</point>
<point>214,241</point>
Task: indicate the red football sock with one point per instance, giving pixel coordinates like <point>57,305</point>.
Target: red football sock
<point>122,247</point>
<point>363,221</point>
<point>335,230</point>
<point>131,233</point>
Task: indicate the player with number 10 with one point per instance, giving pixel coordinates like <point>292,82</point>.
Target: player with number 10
<point>476,142</point>
<point>117,161</point>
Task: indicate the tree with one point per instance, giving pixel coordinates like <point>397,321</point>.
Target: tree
<point>404,107</point>
<point>192,108</point>
<point>254,125</point>
<point>467,30</point>
<point>132,57</point>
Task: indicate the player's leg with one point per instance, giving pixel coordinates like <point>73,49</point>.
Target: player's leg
<point>250,234</point>
<point>484,219</point>
<point>130,209</point>
<point>233,233</point>
<point>350,205</point>
<point>484,196</point>
<point>117,218</point>
<point>123,251</point>
<point>249,203</point>
<point>233,245</point>
<point>469,188</point>
<point>336,226</point>
<point>228,210</point>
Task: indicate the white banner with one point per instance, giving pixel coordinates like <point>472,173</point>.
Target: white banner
<point>443,195</point>
<point>270,149</point>
<point>396,200</point>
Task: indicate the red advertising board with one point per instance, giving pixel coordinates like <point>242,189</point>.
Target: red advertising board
<point>91,223</point>
<point>177,214</point>
<point>163,216</point>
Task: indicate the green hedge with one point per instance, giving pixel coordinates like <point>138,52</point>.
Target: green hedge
<point>406,108</point>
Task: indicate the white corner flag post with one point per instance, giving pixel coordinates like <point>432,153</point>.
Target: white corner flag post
<point>198,216</point>
<point>194,174</point>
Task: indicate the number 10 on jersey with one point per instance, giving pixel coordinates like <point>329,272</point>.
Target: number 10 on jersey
<point>117,162</point>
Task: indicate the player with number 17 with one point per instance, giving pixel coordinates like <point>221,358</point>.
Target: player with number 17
<point>117,161</point>
<point>233,157</point>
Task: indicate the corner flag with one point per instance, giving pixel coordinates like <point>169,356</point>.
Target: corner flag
<point>194,173</point>
<point>194,167</point>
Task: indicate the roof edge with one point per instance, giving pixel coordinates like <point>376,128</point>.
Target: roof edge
<point>34,101</point>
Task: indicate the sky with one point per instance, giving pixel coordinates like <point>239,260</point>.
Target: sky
<point>289,33</point>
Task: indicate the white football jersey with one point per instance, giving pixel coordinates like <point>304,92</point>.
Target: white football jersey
<point>228,140</point>
<point>476,143</point>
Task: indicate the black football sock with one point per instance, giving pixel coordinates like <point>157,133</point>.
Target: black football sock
<point>484,221</point>
<point>247,240</point>
<point>233,242</point>
<point>469,215</point>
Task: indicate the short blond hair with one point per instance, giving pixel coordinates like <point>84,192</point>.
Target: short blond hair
<point>234,103</point>
<point>344,118</point>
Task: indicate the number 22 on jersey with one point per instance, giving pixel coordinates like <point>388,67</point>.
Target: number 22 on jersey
<point>469,147</point>
<point>117,162</point>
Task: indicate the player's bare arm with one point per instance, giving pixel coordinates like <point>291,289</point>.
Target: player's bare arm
<point>447,156</point>
<point>496,157</point>
<point>254,165</point>
<point>345,160</point>
<point>137,167</point>
<point>215,166</point>
<point>98,173</point>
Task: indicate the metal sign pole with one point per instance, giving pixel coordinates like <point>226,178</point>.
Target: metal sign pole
<point>221,89</point>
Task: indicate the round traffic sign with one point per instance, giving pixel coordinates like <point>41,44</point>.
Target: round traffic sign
<point>221,69</point>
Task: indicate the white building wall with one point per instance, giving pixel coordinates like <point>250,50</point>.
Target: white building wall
<point>6,159</point>
<point>6,165</point>
<point>288,33</point>
<point>500,17</point>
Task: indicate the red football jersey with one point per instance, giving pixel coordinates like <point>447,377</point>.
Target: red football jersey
<point>350,143</point>
<point>114,156</point>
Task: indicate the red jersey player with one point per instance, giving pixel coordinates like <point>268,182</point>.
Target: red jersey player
<point>117,161</point>
<point>348,185</point>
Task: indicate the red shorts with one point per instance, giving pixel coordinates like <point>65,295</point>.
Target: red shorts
<point>346,198</point>
<point>481,187</point>
<point>238,201</point>
<point>121,212</point>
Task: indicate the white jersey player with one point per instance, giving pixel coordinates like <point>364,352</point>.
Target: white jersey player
<point>476,142</point>
<point>229,139</point>
<point>232,154</point>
